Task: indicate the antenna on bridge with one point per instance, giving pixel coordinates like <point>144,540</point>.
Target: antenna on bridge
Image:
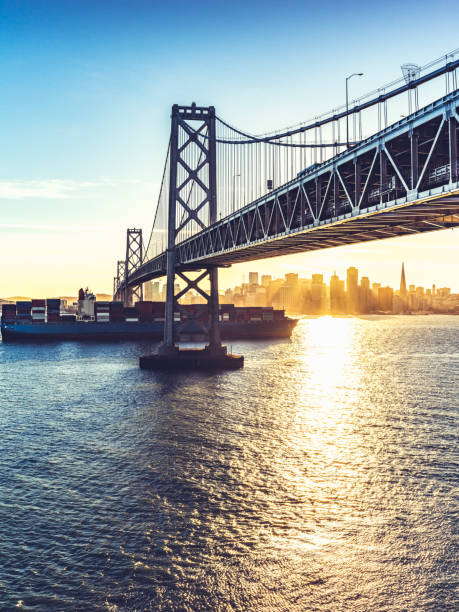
<point>411,73</point>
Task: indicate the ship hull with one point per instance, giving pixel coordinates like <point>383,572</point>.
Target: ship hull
<point>116,331</point>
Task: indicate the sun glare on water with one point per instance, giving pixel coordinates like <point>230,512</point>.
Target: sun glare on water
<point>324,432</point>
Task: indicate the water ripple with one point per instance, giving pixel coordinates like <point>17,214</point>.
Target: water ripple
<point>322,476</point>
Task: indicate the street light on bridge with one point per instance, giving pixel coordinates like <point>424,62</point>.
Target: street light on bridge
<point>347,104</point>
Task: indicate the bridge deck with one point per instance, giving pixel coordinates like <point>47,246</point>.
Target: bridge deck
<point>401,181</point>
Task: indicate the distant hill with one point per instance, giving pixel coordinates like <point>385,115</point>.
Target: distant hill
<point>104,297</point>
<point>69,298</point>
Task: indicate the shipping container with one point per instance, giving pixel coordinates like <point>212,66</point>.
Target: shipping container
<point>159,306</point>
<point>8,313</point>
<point>10,308</point>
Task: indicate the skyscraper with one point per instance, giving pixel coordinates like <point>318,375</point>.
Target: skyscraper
<point>291,279</point>
<point>155,294</point>
<point>317,293</point>
<point>266,280</point>
<point>352,288</point>
<point>148,290</point>
<point>401,303</point>
<point>386,299</point>
<point>365,295</point>
<point>337,295</point>
<point>403,282</point>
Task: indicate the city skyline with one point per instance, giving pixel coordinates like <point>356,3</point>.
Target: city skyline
<point>242,278</point>
<point>87,116</point>
<point>353,294</point>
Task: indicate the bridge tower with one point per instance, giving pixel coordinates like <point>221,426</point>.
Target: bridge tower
<point>119,280</point>
<point>192,194</point>
<point>134,257</point>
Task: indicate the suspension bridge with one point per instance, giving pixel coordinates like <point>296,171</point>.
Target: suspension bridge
<point>384,165</point>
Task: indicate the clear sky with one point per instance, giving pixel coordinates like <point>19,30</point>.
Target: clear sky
<point>87,88</point>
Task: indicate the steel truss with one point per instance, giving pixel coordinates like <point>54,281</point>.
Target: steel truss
<point>204,325</point>
<point>134,258</point>
<point>403,180</point>
<point>192,193</point>
<point>119,280</point>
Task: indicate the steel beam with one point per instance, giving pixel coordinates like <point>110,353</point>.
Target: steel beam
<point>169,340</point>
<point>452,143</point>
<point>183,139</point>
<point>320,198</point>
<point>134,259</point>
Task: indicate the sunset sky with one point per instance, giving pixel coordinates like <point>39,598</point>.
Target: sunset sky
<point>86,94</point>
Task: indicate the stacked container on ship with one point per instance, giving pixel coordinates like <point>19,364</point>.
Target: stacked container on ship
<point>117,312</point>
<point>9,313</point>
<point>38,311</point>
<point>113,321</point>
<point>53,310</point>
<point>102,312</point>
<point>131,314</point>
<point>24,311</point>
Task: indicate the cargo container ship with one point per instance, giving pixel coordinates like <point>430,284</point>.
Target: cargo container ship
<point>37,320</point>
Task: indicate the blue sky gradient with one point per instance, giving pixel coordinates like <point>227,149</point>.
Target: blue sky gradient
<point>84,117</point>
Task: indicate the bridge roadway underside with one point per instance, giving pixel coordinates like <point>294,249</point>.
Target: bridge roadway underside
<point>442,213</point>
<point>434,213</point>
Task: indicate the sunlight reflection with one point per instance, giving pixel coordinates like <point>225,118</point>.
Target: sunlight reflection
<point>324,437</point>
<point>329,393</point>
<point>328,354</point>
